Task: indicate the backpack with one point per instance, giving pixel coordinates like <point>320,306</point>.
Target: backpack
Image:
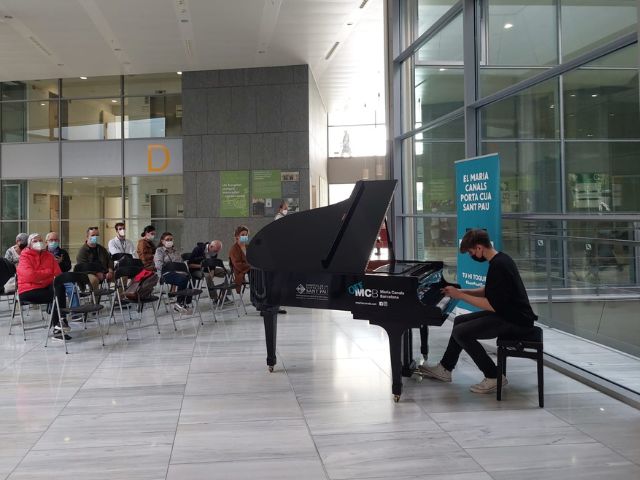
<point>141,286</point>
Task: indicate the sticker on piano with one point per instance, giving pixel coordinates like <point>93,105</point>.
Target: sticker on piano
<point>312,291</point>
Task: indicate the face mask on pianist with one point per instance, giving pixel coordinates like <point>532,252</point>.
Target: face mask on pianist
<point>480,260</point>
<point>94,239</point>
<point>244,238</point>
<point>168,243</point>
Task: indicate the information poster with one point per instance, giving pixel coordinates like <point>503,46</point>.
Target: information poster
<point>478,206</point>
<point>234,193</point>
<point>269,188</point>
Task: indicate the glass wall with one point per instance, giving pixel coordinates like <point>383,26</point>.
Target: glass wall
<point>100,118</point>
<point>568,138</point>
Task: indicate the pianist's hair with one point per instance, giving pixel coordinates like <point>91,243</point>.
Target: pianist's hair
<point>240,229</point>
<point>475,237</point>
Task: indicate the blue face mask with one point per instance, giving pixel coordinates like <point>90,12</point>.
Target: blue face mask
<point>94,239</point>
<point>53,245</point>
<point>244,238</point>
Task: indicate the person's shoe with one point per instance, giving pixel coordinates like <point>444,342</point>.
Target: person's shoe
<point>436,371</point>
<point>282,310</point>
<point>58,337</point>
<point>488,385</point>
<point>182,309</point>
<point>64,328</point>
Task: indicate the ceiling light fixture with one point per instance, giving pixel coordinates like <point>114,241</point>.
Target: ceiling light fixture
<point>43,104</point>
<point>83,78</point>
<point>508,26</point>
<point>364,3</point>
<point>114,101</point>
<point>179,73</point>
<point>330,52</point>
<point>594,95</point>
<point>443,69</point>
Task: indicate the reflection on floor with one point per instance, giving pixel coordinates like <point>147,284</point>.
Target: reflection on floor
<point>200,404</point>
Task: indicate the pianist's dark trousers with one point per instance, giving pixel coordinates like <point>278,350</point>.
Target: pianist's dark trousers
<point>468,329</point>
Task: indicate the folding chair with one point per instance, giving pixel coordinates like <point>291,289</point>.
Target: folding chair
<point>222,289</point>
<point>103,289</point>
<point>128,272</point>
<point>80,282</point>
<point>190,291</point>
<point>17,305</point>
<point>245,284</point>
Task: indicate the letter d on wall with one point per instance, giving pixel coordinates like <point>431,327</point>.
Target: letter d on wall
<point>167,158</point>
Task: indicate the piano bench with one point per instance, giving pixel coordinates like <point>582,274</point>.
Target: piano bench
<point>530,346</point>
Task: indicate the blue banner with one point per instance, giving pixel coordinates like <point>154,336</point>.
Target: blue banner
<point>478,205</point>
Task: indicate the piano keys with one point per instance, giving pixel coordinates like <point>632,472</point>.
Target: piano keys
<point>317,259</point>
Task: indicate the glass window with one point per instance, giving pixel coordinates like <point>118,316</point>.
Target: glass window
<point>357,141</point>
<point>530,114</point>
<point>97,119</point>
<point>529,175</point>
<point>587,24</point>
<point>603,177</point>
<point>438,91</point>
<point>445,46</point>
<point>436,241</point>
<point>30,121</point>
<point>603,102</point>
<point>493,80</point>
<point>29,90</point>
<point>153,84</point>
<point>522,33</point>
<point>429,11</point>
<point>155,116</point>
<point>91,87</point>
<point>92,198</point>
<point>435,175</point>
<point>449,131</point>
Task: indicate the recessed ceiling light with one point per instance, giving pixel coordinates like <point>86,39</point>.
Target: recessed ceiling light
<point>261,51</point>
<point>572,95</point>
<point>179,73</point>
<point>85,178</point>
<point>114,101</point>
<point>117,49</point>
<point>8,17</point>
<point>184,20</point>
<point>552,106</point>
<point>349,24</point>
<point>442,69</point>
<point>61,64</point>
<point>43,104</point>
<point>83,78</point>
<point>507,26</point>
<point>594,95</point>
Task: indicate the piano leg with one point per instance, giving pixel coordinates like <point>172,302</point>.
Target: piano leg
<point>395,332</point>
<point>270,317</point>
<point>408,365</point>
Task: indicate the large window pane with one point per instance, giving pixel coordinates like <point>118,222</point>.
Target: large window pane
<point>493,80</point>
<point>522,33</point>
<point>435,175</point>
<point>155,116</point>
<point>529,175</point>
<point>92,198</point>
<point>153,84</point>
<point>29,90</point>
<point>91,87</point>
<point>429,11</point>
<point>587,24</point>
<point>30,121</point>
<point>439,90</point>
<point>357,141</point>
<point>603,177</point>
<point>97,119</point>
<point>445,46</point>
<point>531,114</point>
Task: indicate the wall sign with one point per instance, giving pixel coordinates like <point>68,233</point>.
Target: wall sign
<point>234,193</point>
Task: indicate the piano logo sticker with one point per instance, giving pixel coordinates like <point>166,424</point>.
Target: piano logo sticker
<point>380,297</point>
<point>312,291</point>
<point>358,290</point>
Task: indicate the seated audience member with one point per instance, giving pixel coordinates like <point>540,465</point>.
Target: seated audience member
<point>238,256</point>
<point>93,252</point>
<point>504,310</point>
<point>167,253</point>
<point>204,250</point>
<point>283,209</point>
<point>13,252</point>
<point>36,271</point>
<point>120,243</point>
<point>146,249</point>
<point>64,261</point>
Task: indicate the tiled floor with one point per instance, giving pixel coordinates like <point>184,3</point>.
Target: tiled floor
<point>200,404</point>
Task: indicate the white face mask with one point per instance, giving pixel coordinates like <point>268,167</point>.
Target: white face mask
<point>168,243</point>
<point>37,246</point>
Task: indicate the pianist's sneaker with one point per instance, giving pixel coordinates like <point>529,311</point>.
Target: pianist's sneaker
<point>436,371</point>
<point>488,385</point>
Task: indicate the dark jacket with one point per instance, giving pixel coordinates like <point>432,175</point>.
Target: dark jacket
<point>97,254</point>
<point>198,254</point>
<point>65,264</point>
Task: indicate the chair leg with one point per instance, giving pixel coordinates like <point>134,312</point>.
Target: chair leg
<point>501,358</point>
<point>540,379</point>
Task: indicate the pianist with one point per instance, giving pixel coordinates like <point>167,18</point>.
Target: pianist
<point>504,310</point>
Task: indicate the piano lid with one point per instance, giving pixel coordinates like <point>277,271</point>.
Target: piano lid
<point>334,239</point>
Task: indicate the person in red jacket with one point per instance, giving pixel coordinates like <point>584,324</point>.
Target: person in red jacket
<point>36,271</point>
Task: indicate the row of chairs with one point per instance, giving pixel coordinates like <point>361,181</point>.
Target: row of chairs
<point>213,275</point>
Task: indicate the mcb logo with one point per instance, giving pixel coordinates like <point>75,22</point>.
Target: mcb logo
<point>358,290</point>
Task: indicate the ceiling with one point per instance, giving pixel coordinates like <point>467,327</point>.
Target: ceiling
<point>66,38</point>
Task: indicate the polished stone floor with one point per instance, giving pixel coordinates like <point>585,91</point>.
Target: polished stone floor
<point>199,403</point>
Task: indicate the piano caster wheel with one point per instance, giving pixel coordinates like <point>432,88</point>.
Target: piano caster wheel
<point>396,398</point>
<point>270,368</point>
<point>417,377</point>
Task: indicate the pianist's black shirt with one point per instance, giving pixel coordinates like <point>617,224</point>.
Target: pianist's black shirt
<point>506,293</point>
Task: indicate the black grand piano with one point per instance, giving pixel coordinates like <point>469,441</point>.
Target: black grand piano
<point>317,259</point>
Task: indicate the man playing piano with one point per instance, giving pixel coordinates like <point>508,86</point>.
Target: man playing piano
<point>504,310</point>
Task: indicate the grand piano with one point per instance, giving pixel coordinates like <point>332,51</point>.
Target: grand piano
<point>318,258</point>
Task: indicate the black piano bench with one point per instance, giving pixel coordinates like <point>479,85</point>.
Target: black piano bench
<point>531,347</point>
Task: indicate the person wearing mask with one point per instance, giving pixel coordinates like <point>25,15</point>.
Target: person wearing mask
<point>36,271</point>
<point>120,243</point>
<point>93,252</point>
<point>167,253</point>
<point>64,261</point>
<point>146,249</point>
<point>13,253</point>
<point>283,209</point>
<point>238,256</point>
<point>504,310</point>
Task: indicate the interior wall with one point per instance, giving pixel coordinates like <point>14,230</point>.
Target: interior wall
<point>318,120</point>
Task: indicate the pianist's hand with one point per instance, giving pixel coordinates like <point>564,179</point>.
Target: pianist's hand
<point>452,292</point>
